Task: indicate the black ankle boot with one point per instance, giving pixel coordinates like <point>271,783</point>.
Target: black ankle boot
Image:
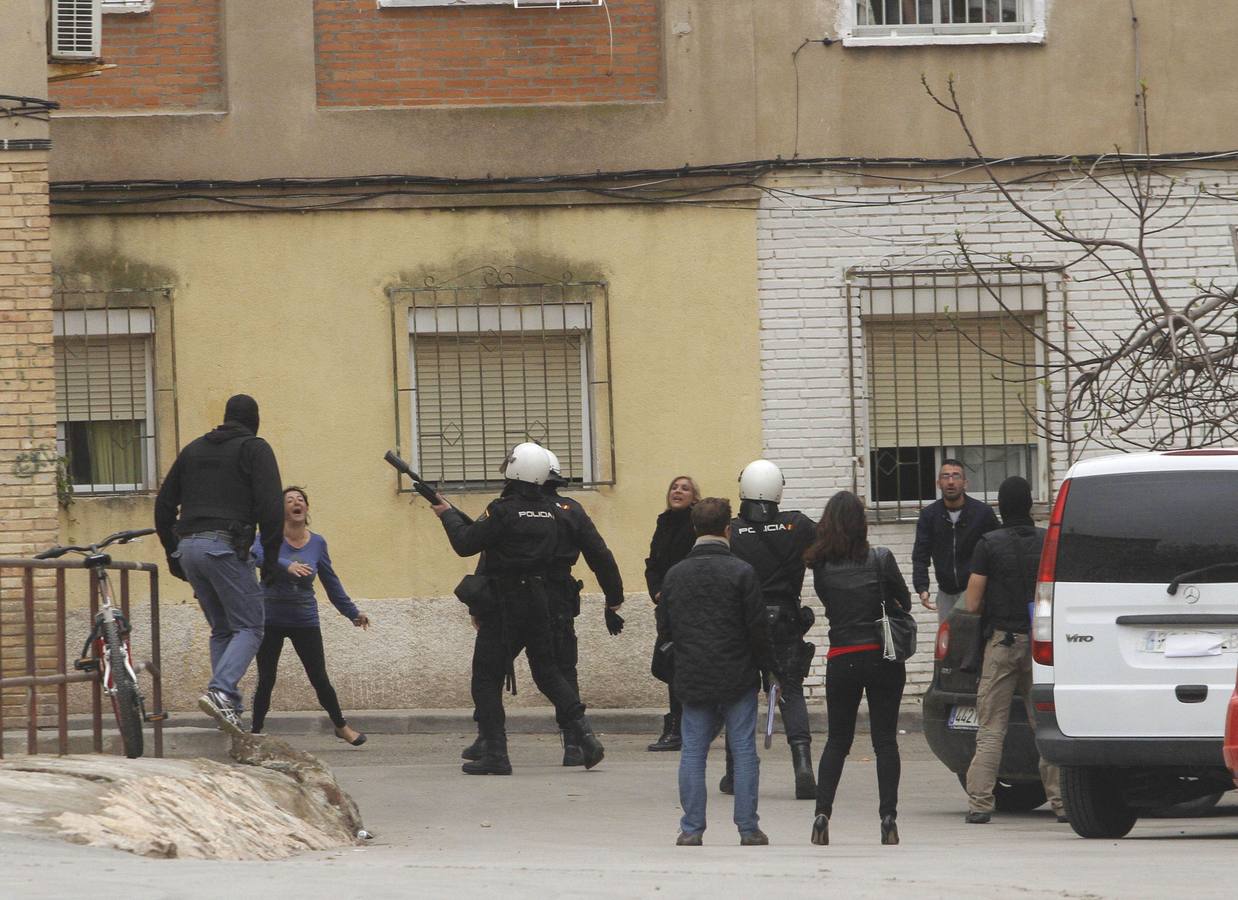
<point>889,830</point>
<point>590,747</point>
<point>821,830</point>
<point>493,761</point>
<point>801,761</point>
<point>727,784</point>
<point>475,750</point>
<point>671,738</point>
<point>572,754</point>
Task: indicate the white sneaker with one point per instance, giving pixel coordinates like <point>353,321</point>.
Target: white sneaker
<point>216,705</point>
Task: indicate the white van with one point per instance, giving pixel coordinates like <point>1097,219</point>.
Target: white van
<point>1135,633</point>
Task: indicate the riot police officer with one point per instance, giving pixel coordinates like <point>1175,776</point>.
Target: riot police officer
<point>577,536</point>
<point>517,534</point>
<point>773,542</point>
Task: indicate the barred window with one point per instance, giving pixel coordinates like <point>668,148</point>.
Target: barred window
<point>950,374</point>
<point>105,397</point>
<point>951,21</point>
<point>491,366</point>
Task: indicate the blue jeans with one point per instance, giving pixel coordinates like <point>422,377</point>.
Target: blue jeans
<point>699,726</point>
<point>231,599</point>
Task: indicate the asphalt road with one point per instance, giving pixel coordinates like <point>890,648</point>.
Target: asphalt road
<point>550,832</point>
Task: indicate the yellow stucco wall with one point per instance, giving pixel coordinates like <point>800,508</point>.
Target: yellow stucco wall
<point>291,308</point>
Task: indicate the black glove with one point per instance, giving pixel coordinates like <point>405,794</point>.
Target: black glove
<point>614,621</point>
<point>174,566</point>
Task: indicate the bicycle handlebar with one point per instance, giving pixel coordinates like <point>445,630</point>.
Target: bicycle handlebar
<point>120,537</point>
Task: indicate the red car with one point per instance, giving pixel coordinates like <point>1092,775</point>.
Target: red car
<point>1231,735</point>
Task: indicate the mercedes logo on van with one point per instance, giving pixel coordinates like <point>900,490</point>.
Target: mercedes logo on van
<point>1191,594</point>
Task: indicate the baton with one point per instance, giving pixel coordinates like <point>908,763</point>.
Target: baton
<point>769,716</point>
<point>422,487</point>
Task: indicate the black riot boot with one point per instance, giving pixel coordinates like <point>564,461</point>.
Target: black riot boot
<point>493,761</point>
<point>671,739</point>
<point>590,747</point>
<point>475,750</point>
<point>801,760</point>
<point>727,784</point>
<point>572,754</point>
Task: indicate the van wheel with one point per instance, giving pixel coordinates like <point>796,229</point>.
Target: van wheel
<point>1021,797</point>
<point>1094,803</point>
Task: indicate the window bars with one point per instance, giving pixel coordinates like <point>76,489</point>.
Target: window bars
<point>904,17</point>
<point>950,366</point>
<point>499,356</point>
<point>107,389</point>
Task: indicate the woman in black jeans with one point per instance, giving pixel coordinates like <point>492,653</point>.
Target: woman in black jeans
<point>672,540</point>
<point>852,580</point>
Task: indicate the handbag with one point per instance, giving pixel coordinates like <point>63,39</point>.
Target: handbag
<point>898,627</point>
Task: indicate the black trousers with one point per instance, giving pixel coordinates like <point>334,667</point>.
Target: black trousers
<point>563,607</point>
<point>524,624</point>
<point>308,644</point>
<point>791,703</point>
<point>847,677</point>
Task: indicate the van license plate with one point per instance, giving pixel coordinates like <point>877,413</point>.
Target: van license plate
<point>1154,641</point>
<point>963,718</point>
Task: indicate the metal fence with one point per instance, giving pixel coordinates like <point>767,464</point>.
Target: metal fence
<point>30,624</point>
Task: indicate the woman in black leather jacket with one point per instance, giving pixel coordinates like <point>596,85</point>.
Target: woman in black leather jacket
<point>673,538</point>
<point>852,580</point>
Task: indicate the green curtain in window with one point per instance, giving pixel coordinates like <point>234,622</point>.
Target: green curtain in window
<point>115,452</point>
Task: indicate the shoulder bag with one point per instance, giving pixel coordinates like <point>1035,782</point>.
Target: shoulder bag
<point>898,627</point>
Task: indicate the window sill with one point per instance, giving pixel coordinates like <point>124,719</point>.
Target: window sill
<point>926,40</point>
<point>128,8</point>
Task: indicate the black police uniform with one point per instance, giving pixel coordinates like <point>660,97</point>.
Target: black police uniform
<point>773,542</point>
<point>518,534</point>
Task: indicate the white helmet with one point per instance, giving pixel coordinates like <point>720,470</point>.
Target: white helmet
<point>761,480</point>
<point>528,462</point>
<point>556,474</point>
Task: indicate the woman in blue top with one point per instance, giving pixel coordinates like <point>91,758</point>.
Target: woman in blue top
<point>292,612</point>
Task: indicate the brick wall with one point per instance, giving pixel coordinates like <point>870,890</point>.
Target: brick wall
<point>475,55</point>
<point>805,246</point>
<point>28,520</point>
<point>168,58</point>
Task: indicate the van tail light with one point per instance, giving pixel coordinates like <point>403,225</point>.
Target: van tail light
<point>1042,605</point>
<point>943,641</point>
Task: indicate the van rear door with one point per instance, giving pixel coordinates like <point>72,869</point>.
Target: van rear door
<point>1131,659</point>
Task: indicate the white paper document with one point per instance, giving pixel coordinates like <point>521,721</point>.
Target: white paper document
<point>1195,643</point>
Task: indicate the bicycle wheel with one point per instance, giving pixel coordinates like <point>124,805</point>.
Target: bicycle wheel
<point>126,701</point>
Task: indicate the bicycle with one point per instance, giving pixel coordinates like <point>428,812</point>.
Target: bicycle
<point>106,649</point>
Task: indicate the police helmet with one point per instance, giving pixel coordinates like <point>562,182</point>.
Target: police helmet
<point>556,474</point>
<point>527,462</point>
<point>761,480</point>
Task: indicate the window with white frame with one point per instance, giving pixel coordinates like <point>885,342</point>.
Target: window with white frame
<point>894,22</point>
<point>105,398</point>
<point>492,366</point>
<point>950,366</point>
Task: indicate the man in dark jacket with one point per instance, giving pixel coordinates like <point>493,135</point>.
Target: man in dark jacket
<point>711,609</point>
<point>946,534</point>
<point>224,483</point>
<point>1002,586</point>
<point>517,535</point>
<point>773,542</point>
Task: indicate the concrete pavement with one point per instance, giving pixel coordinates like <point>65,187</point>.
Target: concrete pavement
<point>551,832</point>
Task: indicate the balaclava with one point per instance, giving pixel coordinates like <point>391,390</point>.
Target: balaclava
<point>242,409</point>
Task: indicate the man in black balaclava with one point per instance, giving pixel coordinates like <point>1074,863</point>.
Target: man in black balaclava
<point>224,483</point>
<point>1001,588</point>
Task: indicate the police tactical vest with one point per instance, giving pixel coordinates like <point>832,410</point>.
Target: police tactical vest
<point>1014,554</point>
<point>212,483</point>
<point>775,548</point>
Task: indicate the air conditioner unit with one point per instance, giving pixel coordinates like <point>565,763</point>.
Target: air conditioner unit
<point>76,29</point>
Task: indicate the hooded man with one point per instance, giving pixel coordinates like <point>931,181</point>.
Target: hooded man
<point>224,484</point>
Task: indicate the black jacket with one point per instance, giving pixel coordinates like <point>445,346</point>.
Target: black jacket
<point>851,595</point>
<point>773,542</point>
<point>712,610</point>
<point>578,535</point>
<point>1008,557</point>
<point>518,532</point>
<point>947,545</point>
<point>226,480</point>
<point>672,541</point>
